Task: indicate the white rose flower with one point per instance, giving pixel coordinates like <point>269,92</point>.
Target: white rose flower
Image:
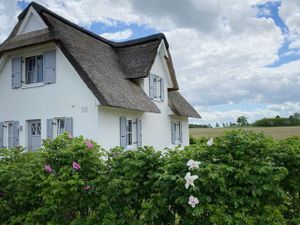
<point>190,180</point>
<point>193,201</point>
<point>193,164</point>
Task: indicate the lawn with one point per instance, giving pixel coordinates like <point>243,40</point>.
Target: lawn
<point>276,132</point>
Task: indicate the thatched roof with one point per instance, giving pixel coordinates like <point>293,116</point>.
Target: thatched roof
<point>180,106</point>
<point>108,68</point>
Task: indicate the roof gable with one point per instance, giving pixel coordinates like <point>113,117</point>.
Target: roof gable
<point>31,22</point>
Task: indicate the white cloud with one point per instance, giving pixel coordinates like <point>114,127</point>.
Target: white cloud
<point>117,36</point>
<point>213,116</point>
<point>8,17</point>
<point>290,13</point>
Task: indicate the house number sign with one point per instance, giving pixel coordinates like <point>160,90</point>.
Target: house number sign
<point>84,109</point>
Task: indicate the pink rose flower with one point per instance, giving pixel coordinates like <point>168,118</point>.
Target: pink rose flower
<point>76,166</point>
<point>48,168</point>
<point>89,144</point>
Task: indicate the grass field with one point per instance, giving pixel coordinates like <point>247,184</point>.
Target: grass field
<point>276,132</point>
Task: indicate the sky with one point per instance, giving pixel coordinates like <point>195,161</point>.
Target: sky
<point>232,57</point>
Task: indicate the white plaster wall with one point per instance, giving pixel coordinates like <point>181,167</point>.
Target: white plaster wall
<point>156,127</point>
<point>65,98</point>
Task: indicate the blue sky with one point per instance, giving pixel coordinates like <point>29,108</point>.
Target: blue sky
<point>244,65</point>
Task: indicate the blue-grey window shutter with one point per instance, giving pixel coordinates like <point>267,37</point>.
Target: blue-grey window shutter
<point>50,128</point>
<point>162,90</point>
<point>16,72</point>
<point>123,133</point>
<point>49,67</point>
<point>151,86</point>
<point>139,133</point>
<point>69,125</point>
<point>16,133</point>
<point>173,132</point>
<point>180,132</point>
<point>1,134</point>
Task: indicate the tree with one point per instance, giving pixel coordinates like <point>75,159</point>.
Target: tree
<point>297,115</point>
<point>217,125</point>
<point>242,121</point>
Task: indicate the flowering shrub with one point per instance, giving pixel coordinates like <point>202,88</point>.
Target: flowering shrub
<point>240,178</point>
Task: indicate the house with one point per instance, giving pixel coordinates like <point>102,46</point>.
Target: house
<point>57,77</point>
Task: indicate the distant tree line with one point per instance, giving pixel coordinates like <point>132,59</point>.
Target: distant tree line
<point>242,121</point>
<point>292,120</point>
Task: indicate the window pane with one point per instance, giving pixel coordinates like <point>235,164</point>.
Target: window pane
<point>10,135</point>
<point>38,128</point>
<point>60,126</point>
<point>34,69</point>
<point>40,68</point>
<point>156,89</point>
<point>129,139</point>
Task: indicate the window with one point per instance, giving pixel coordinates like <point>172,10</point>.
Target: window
<point>176,132</point>
<point>156,87</point>
<point>34,69</point>
<point>10,135</point>
<point>131,133</point>
<point>61,128</point>
<point>38,70</point>
<point>58,126</point>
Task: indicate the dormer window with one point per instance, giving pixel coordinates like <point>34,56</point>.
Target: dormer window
<point>34,69</point>
<point>156,91</point>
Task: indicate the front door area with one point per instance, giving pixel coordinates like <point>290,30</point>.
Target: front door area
<point>34,135</point>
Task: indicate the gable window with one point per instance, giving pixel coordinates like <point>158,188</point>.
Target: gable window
<point>34,69</point>
<point>131,133</point>
<point>176,132</point>
<point>156,91</point>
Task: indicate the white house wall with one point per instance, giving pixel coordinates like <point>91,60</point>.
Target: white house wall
<point>68,97</point>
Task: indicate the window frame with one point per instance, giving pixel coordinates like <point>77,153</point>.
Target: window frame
<point>132,142</point>
<point>157,86</point>
<point>178,131</point>
<point>58,122</point>
<point>9,125</point>
<point>35,79</point>
<point>7,136</point>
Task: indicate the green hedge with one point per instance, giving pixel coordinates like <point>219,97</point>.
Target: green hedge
<point>243,178</point>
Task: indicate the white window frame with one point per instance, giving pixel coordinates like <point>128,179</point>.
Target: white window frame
<point>6,135</point>
<point>35,69</point>
<point>157,87</point>
<point>59,122</point>
<point>178,130</point>
<point>131,142</point>
<point>56,126</point>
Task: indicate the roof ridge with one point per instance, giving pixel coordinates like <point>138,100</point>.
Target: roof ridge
<point>40,9</point>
